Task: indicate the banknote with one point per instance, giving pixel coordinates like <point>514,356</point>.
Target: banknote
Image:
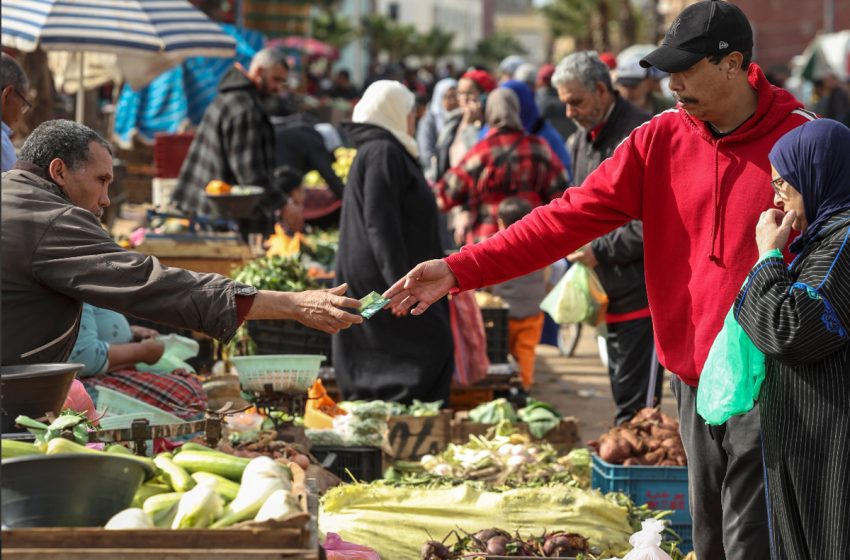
<point>371,304</point>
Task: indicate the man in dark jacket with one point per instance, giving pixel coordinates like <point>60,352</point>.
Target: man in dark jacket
<point>235,142</point>
<point>56,255</point>
<point>604,120</point>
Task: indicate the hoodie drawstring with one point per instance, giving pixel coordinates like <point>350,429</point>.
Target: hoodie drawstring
<point>715,225</point>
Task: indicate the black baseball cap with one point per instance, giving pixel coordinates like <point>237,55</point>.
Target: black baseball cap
<point>706,28</point>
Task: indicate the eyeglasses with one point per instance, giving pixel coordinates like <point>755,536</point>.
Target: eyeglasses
<point>27,105</point>
<point>777,185</point>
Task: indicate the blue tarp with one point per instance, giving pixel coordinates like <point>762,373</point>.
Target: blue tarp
<point>179,97</point>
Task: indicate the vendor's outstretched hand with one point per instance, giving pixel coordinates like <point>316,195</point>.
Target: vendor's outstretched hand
<point>318,309</point>
<point>422,286</point>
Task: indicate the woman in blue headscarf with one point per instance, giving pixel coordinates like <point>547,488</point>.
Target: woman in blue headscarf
<point>533,123</point>
<point>799,317</point>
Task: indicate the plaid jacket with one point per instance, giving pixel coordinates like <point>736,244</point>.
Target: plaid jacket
<point>234,143</point>
<point>505,163</point>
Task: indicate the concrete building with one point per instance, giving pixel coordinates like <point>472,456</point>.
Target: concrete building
<point>521,19</point>
<point>464,18</point>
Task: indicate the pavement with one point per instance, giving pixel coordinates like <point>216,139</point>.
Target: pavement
<point>579,386</point>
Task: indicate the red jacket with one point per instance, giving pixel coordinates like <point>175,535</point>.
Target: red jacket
<point>699,199</point>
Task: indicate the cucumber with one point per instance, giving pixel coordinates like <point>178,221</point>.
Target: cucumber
<point>175,475</point>
<point>214,462</point>
<point>10,448</point>
<point>225,488</point>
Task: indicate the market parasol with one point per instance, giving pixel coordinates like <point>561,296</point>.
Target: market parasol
<point>148,36</point>
<point>306,45</point>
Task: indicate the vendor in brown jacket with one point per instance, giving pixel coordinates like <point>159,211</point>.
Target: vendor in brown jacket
<point>56,255</point>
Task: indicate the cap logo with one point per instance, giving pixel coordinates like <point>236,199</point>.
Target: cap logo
<point>723,45</point>
<point>674,28</point>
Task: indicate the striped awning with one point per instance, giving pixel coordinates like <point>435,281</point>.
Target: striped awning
<point>148,35</point>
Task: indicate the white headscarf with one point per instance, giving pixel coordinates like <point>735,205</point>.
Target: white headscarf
<point>436,105</point>
<point>386,103</point>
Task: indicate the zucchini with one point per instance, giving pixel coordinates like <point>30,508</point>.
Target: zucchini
<point>225,488</point>
<point>62,445</point>
<point>11,448</point>
<point>175,475</point>
<point>162,508</point>
<point>118,449</point>
<point>214,462</point>
<point>147,490</point>
<point>192,446</point>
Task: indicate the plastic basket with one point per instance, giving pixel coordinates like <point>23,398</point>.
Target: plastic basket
<point>496,331</point>
<point>116,403</point>
<point>169,151</point>
<point>289,337</point>
<point>685,532</point>
<point>284,372</point>
<point>364,463</point>
<point>661,488</point>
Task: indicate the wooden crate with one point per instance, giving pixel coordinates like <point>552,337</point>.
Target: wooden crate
<point>219,257</point>
<point>411,437</point>
<point>563,438</point>
<point>83,543</point>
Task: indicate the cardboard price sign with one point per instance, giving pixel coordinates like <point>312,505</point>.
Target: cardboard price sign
<point>411,437</point>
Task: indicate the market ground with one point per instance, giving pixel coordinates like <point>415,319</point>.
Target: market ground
<point>579,386</point>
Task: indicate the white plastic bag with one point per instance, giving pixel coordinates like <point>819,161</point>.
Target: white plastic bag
<point>647,541</point>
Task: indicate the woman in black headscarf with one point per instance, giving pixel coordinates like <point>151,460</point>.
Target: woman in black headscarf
<point>799,317</point>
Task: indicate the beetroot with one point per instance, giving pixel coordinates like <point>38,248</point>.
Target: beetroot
<point>562,545</point>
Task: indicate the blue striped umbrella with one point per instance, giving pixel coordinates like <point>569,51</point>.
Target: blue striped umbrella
<point>148,36</point>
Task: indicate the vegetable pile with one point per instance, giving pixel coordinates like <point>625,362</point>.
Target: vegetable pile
<point>541,417</point>
<point>503,461</point>
<point>199,487</point>
<point>282,274</point>
<point>418,408</point>
<point>70,424</point>
<point>498,542</point>
<point>650,438</point>
<point>364,425</point>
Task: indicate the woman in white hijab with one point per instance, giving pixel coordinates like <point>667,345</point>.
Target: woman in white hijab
<point>443,103</point>
<point>388,224</point>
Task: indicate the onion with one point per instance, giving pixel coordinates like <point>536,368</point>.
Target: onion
<point>517,460</point>
<point>506,449</point>
<point>442,470</point>
<point>518,449</point>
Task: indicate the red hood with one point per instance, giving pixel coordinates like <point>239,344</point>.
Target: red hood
<point>774,104</point>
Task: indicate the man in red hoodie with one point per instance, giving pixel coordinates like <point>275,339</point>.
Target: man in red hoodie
<point>698,176</point>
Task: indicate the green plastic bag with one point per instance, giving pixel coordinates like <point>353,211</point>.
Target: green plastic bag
<point>577,297</point>
<point>732,375</point>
